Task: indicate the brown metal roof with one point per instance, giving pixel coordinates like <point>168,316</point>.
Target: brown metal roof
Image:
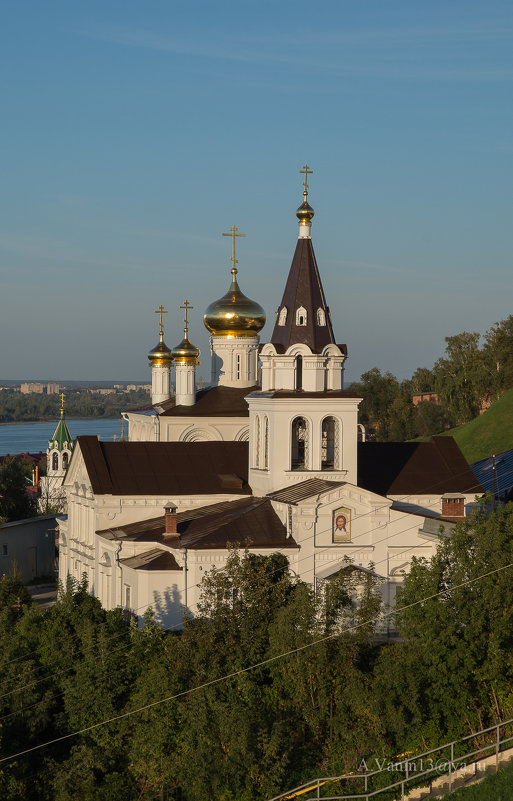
<point>247,521</point>
<point>156,559</point>
<point>411,468</point>
<point>165,468</point>
<point>305,489</point>
<point>304,289</point>
<point>212,402</point>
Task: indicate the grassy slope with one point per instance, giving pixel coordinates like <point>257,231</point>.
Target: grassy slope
<point>498,787</point>
<point>491,432</point>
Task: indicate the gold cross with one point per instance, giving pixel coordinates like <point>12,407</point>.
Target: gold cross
<point>233,233</point>
<point>161,310</point>
<point>186,306</point>
<point>307,172</point>
<point>62,402</point>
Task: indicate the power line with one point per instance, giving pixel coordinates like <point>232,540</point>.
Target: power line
<point>255,666</point>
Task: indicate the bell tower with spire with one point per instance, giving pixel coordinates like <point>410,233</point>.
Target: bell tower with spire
<point>234,322</point>
<point>160,360</point>
<point>302,422</point>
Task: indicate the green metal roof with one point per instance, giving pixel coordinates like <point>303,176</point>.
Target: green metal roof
<point>61,435</point>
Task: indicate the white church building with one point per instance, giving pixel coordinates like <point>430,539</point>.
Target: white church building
<point>268,457</point>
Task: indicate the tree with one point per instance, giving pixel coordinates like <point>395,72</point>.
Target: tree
<point>386,406</point>
<point>453,672</point>
<point>498,355</point>
<point>460,378</point>
<point>15,503</point>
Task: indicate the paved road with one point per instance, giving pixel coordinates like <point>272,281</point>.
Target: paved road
<point>44,595</point>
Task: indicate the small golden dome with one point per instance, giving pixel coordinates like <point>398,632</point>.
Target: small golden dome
<point>234,314</point>
<point>305,212</point>
<point>185,351</point>
<point>160,355</point>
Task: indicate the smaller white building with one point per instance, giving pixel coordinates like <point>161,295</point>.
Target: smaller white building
<point>52,495</point>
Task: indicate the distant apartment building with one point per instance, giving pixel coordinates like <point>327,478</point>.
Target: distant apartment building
<point>38,388</point>
<point>29,388</point>
<point>136,387</point>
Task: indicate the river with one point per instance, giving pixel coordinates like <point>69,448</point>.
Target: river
<point>33,437</point>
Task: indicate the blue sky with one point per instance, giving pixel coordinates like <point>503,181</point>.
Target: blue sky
<point>134,133</point>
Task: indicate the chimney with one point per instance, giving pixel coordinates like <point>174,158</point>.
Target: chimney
<point>453,507</point>
<point>170,525</point>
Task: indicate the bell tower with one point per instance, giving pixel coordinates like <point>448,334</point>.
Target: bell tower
<point>302,422</point>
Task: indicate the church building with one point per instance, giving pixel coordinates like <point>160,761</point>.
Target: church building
<point>267,457</point>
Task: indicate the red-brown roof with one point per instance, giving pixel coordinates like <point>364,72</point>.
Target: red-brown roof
<point>246,521</point>
<point>165,468</point>
<point>415,468</point>
<point>212,402</point>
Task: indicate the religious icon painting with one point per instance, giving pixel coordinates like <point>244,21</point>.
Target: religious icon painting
<point>342,524</point>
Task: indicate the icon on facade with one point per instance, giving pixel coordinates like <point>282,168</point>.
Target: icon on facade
<point>342,524</point>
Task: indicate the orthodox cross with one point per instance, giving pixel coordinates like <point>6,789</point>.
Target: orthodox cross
<point>186,306</point>
<point>307,172</point>
<point>62,403</point>
<point>233,233</point>
<point>161,310</point>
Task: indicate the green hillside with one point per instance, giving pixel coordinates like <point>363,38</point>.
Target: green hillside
<point>491,432</point>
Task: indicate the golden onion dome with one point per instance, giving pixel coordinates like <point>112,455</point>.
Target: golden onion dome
<point>305,212</point>
<point>234,314</point>
<point>160,355</point>
<point>185,351</point>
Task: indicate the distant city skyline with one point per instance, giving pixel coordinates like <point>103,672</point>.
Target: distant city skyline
<point>134,135</point>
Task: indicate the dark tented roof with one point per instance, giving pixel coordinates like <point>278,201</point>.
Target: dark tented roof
<point>410,468</point>
<point>166,468</point>
<point>156,559</point>
<point>247,520</point>
<point>305,489</point>
<point>212,402</point>
<point>304,289</point>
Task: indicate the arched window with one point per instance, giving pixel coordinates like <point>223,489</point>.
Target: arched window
<point>266,442</point>
<point>299,450</point>
<point>321,317</point>
<point>301,316</point>
<point>256,444</point>
<point>237,366</point>
<point>55,462</point>
<point>330,444</point>
<point>299,372</point>
<point>282,319</point>
<point>65,460</point>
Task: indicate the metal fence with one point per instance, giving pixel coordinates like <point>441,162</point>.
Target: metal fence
<point>442,761</point>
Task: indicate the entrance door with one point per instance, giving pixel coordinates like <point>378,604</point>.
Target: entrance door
<point>32,562</point>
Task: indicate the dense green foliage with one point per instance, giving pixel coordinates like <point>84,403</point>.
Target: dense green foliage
<point>211,728</point>
<point>15,408</point>
<point>15,503</point>
<point>468,375</point>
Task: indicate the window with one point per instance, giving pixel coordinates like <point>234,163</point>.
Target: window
<point>4,549</point>
<point>321,317</point>
<point>55,462</point>
<point>127,596</point>
<point>301,316</point>
<point>299,451</point>
<point>266,442</point>
<point>282,319</point>
<point>299,372</point>
<point>237,365</point>
<point>330,444</point>
<point>256,444</point>
<point>65,460</point>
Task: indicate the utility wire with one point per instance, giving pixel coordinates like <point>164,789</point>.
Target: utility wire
<point>255,666</point>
